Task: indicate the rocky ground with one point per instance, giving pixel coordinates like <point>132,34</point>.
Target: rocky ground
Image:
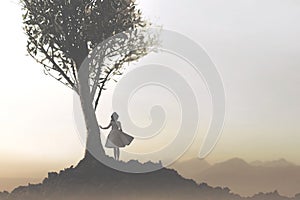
<point>91,180</point>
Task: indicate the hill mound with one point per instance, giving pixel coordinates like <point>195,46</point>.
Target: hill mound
<point>91,180</point>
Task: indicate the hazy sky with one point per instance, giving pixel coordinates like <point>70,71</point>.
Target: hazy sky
<point>254,44</point>
<point>255,47</point>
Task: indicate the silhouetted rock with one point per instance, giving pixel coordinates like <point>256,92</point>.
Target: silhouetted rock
<point>269,196</point>
<point>297,196</point>
<point>4,195</point>
<point>91,180</point>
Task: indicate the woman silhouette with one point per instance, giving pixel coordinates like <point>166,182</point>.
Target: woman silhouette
<point>116,138</point>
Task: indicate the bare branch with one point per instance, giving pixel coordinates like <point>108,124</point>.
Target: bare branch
<point>58,68</point>
<point>102,87</point>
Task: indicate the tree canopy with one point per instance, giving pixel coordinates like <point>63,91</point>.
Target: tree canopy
<point>62,33</point>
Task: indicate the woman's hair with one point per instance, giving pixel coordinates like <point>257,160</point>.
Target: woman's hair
<point>114,116</point>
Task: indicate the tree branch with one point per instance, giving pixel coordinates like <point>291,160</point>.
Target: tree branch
<point>102,87</point>
<point>57,67</point>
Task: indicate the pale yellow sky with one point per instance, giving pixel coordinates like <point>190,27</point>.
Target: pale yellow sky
<point>253,43</point>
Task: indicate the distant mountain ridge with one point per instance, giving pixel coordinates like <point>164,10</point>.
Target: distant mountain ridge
<point>276,163</point>
<point>245,178</point>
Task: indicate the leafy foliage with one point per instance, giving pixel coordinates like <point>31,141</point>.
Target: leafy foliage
<point>62,33</point>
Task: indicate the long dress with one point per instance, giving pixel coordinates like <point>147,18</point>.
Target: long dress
<point>116,137</point>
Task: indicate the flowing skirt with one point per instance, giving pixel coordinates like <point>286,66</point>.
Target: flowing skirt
<point>117,138</point>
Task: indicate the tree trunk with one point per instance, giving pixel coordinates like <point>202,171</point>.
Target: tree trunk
<point>93,142</point>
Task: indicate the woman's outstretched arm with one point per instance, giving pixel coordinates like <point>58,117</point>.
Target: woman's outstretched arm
<point>109,125</point>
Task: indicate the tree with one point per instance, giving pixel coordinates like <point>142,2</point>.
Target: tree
<point>63,33</point>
